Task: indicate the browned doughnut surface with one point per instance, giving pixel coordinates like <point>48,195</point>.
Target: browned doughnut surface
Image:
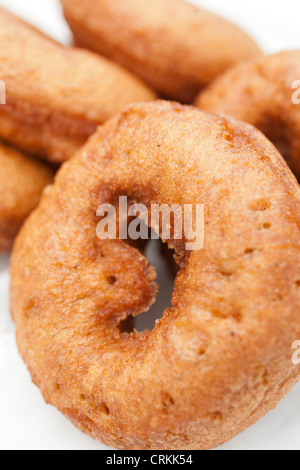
<point>56,97</point>
<point>22,181</point>
<point>221,357</point>
<point>260,92</point>
<point>174,46</point>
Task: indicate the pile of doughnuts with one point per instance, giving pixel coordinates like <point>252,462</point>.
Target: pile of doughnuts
<point>22,181</point>
<point>220,358</point>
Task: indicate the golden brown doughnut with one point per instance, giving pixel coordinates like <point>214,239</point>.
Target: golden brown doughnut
<point>217,361</point>
<point>173,45</point>
<point>22,181</point>
<point>56,97</point>
<point>261,92</point>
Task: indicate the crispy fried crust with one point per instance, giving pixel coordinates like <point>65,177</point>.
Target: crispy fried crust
<point>221,357</point>
<point>22,181</point>
<point>174,46</point>
<point>260,92</point>
<point>56,97</point>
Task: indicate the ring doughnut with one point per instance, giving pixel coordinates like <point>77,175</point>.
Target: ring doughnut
<point>173,45</point>
<point>261,92</point>
<point>22,181</point>
<point>56,97</point>
<point>220,358</point>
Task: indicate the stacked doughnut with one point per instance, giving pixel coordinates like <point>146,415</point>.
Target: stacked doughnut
<point>209,368</point>
<point>22,181</point>
<point>220,358</point>
<point>56,98</point>
<point>174,46</point>
<point>261,92</point>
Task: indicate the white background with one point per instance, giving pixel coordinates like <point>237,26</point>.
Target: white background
<point>26,422</point>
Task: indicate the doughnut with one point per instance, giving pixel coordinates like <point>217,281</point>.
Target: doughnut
<point>56,97</point>
<point>172,45</point>
<point>261,92</point>
<point>22,181</point>
<point>220,358</point>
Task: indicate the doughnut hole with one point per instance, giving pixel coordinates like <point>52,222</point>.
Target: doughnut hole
<point>161,258</point>
<point>163,261</point>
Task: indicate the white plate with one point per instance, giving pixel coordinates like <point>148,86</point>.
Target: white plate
<point>26,422</point>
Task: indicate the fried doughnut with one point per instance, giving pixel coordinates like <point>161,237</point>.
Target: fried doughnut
<point>22,181</point>
<point>220,358</point>
<point>173,45</point>
<point>260,92</point>
<point>56,97</point>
